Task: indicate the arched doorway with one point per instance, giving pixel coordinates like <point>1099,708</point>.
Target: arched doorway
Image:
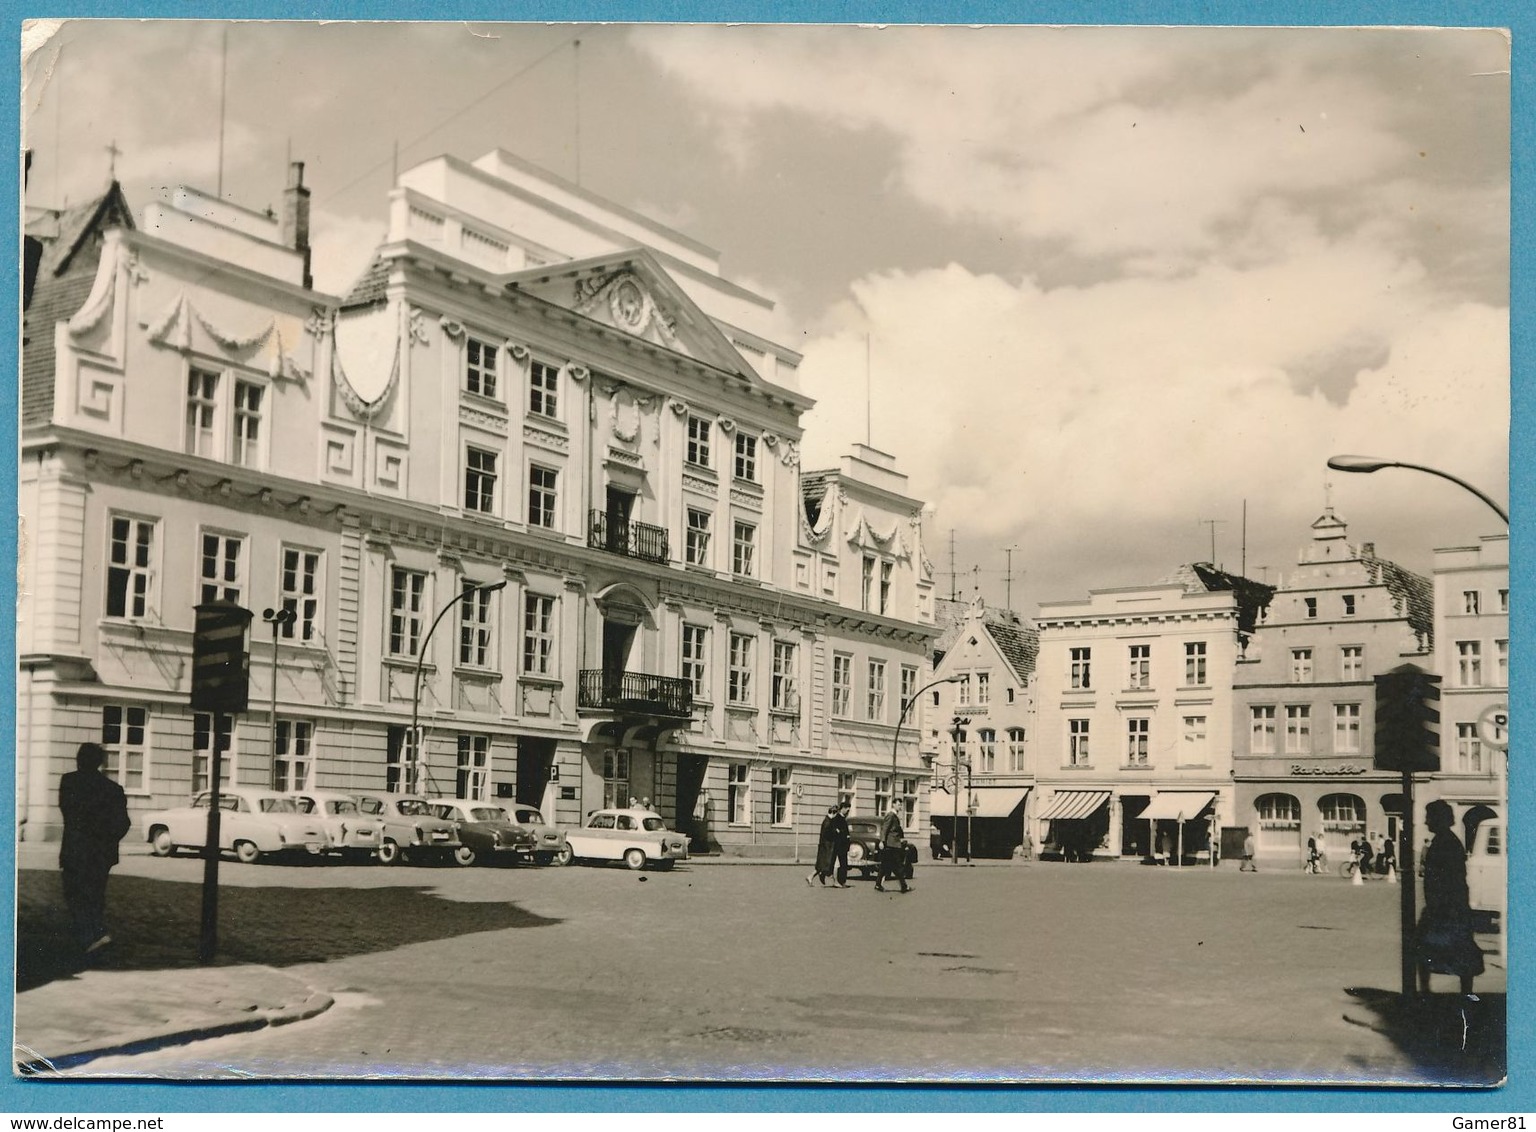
<point>1342,819</point>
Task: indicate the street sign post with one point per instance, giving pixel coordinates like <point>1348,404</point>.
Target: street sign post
<point>1493,726</point>
<point>220,684</point>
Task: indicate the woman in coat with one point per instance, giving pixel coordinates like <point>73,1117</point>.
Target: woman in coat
<point>1444,942</point>
<point>826,848</point>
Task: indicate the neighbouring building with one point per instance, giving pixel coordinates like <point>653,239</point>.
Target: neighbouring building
<point>1132,751</point>
<point>988,657</point>
<point>532,483</point>
<point>1304,721</point>
<point>1471,588</point>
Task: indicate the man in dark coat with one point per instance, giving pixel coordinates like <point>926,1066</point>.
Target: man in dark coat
<point>1444,941</point>
<point>841,839</point>
<point>826,849</point>
<point>95,820</point>
<point>893,851</point>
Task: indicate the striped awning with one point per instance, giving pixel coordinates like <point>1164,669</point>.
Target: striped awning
<point>1177,805</point>
<point>998,801</point>
<point>1067,804</point>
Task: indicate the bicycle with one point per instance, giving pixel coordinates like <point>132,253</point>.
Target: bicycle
<point>1370,872</point>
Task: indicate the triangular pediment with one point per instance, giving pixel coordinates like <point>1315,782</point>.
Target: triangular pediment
<point>631,292</point>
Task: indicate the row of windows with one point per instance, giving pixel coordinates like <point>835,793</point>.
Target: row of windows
<point>1472,601</point>
<point>700,449</point>
<point>981,682</point>
<point>781,794</point>
<point>874,687</point>
<point>985,759</point>
<point>1298,729</point>
<point>1192,750</point>
<point>1469,664</point>
<point>1347,606</point>
<point>125,736</point>
<point>1139,666</point>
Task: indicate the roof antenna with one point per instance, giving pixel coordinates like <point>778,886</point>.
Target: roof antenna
<point>869,429</point>
<point>223,87</point>
<point>576,59</point>
<point>113,153</point>
<point>954,579</point>
<point>1212,524</point>
<point>1008,579</point>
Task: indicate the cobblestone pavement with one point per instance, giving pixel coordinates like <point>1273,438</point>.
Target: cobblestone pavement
<point>1016,971</point>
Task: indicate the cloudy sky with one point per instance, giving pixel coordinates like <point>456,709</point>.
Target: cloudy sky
<point>1111,282</point>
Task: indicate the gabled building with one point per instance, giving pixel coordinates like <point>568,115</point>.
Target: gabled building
<point>531,489</point>
<point>989,654</point>
<point>1132,748</point>
<point>1305,719</point>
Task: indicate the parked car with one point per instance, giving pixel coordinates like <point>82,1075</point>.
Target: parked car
<point>864,849</point>
<point>352,833</point>
<point>548,842</point>
<point>635,837</point>
<point>252,823</point>
<point>1487,867</point>
<point>410,828</point>
<point>485,831</point>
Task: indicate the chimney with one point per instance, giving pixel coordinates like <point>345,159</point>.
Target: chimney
<point>296,216</point>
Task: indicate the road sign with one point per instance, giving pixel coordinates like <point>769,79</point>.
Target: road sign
<point>1493,726</point>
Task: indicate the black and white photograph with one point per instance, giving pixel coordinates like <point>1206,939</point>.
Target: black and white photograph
<point>635,552</point>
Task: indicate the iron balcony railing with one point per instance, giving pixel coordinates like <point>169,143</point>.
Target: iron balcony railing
<point>633,540</point>
<point>635,693</point>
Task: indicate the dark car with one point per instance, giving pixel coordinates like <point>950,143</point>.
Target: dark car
<point>485,831</point>
<point>864,849</point>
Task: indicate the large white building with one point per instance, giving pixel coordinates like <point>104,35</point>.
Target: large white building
<point>533,481</point>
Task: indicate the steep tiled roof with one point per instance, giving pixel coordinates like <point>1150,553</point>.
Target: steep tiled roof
<point>813,489</point>
<point>1413,594</point>
<point>948,616</point>
<point>369,288</point>
<point>65,274</point>
<point>1019,643</point>
<point>1202,577</point>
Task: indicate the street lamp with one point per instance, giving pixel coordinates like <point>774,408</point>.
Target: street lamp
<point>1375,464</point>
<point>421,654</point>
<point>277,618</point>
<point>1366,464</point>
<point>956,738</point>
<point>906,707</point>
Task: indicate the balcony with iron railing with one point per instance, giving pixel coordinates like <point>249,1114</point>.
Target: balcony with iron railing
<point>634,693</point>
<point>631,539</point>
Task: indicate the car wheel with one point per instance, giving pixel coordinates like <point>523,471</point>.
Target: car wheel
<point>464,855</point>
<point>634,858</point>
<point>389,852</point>
<point>564,856</point>
<point>160,841</point>
<point>247,852</point>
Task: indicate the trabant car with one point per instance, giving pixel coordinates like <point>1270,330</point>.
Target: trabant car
<point>409,828</point>
<point>252,824</point>
<point>548,842</point>
<point>351,832</point>
<point>1487,868</point>
<point>485,831</point>
<point>636,837</point>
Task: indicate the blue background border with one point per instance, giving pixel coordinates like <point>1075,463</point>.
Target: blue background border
<point>1519,1095</point>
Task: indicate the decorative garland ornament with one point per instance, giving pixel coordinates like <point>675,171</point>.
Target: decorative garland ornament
<point>365,410</point>
<point>452,327</point>
<point>577,373</point>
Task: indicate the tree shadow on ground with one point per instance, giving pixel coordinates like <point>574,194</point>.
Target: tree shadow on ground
<point>1455,1041</point>
<point>156,924</point>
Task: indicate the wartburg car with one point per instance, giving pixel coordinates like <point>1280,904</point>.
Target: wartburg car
<point>252,824</point>
<point>636,837</point>
<point>410,828</point>
<point>548,842</point>
<point>485,831</point>
<point>351,832</point>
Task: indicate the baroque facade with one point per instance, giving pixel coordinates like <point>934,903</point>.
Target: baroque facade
<point>532,485</point>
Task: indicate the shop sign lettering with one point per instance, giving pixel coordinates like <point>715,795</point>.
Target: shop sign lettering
<point>1328,771</point>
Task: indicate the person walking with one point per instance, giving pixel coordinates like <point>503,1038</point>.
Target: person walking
<point>1444,943</point>
<point>841,839</point>
<point>95,820</point>
<point>1387,860</point>
<point>826,849</point>
<point>1248,865</point>
<point>893,851</point>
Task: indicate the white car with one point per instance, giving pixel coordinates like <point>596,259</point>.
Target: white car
<point>410,828</point>
<point>352,833</point>
<point>252,823</point>
<point>635,837</point>
<point>1487,867</point>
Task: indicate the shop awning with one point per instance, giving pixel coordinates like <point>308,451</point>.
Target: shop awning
<point>998,801</point>
<point>1177,805</point>
<point>1067,804</point>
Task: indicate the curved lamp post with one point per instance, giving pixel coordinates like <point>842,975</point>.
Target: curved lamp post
<point>1375,464</point>
<point>906,707</point>
<point>421,655</point>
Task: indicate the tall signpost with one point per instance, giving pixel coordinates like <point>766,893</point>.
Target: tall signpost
<point>220,685</point>
<point>1407,741</point>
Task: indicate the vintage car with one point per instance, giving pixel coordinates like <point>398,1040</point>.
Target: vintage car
<point>864,849</point>
<point>1487,869</point>
<point>635,837</point>
<point>409,828</point>
<point>485,830</point>
<point>252,824</point>
<point>548,842</point>
<point>352,833</point>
